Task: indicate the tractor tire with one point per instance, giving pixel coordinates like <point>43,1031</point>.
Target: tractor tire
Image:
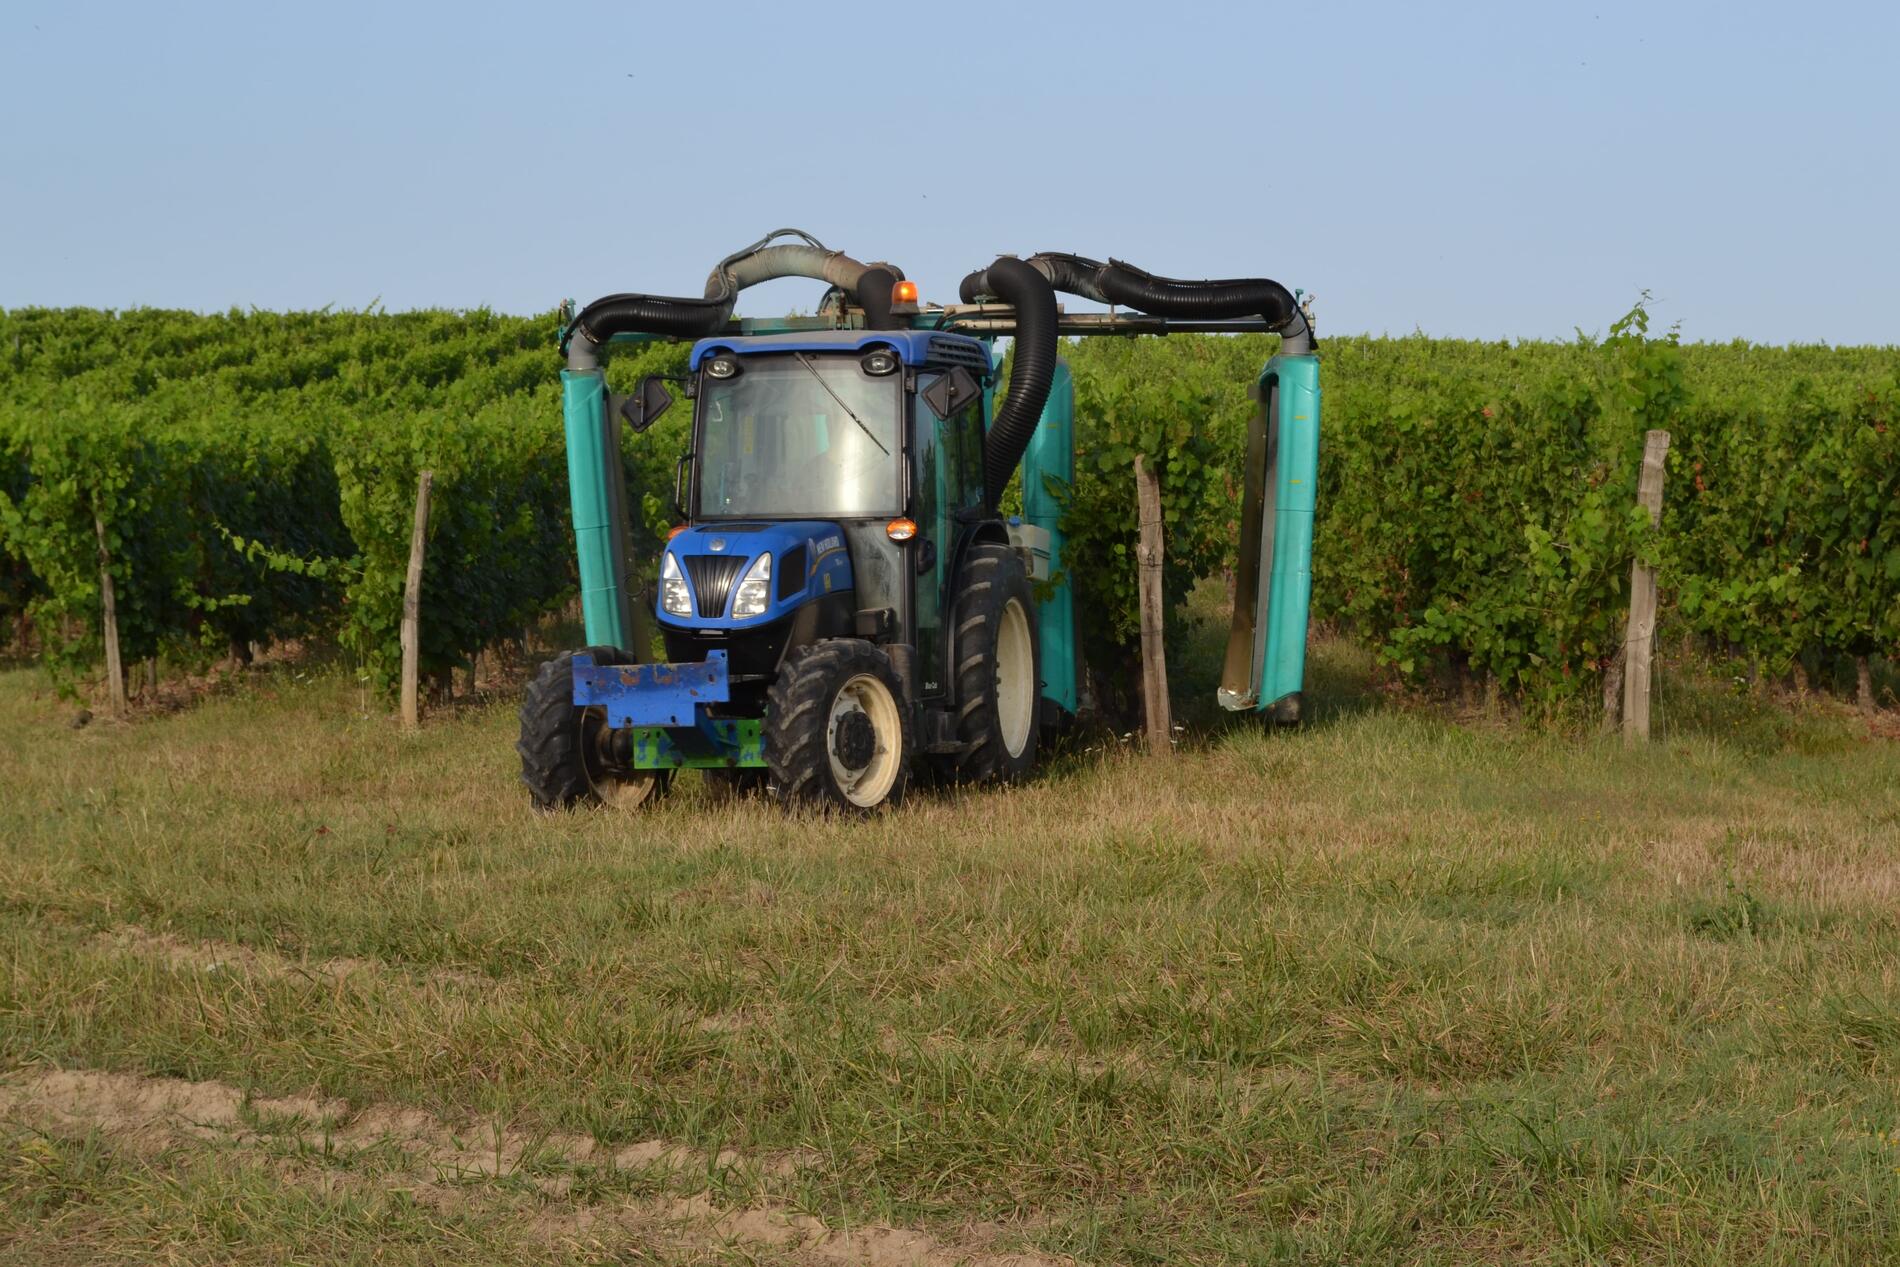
<point>564,757</point>
<point>998,669</point>
<point>837,732</point>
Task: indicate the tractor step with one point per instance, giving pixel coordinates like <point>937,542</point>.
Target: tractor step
<point>939,727</point>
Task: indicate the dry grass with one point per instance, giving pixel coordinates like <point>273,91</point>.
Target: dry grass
<point>1391,989</point>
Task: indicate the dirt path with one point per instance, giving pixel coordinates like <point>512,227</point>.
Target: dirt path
<point>445,1162</point>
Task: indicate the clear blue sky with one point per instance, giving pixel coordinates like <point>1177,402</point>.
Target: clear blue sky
<point>1515,170</point>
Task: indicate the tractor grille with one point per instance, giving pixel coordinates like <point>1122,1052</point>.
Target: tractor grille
<point>713,576</point>
<point>958,352</point>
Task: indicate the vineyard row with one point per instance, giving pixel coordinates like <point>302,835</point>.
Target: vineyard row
<point>252,477</point>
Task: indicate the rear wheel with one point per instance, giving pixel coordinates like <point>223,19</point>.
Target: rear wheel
<point>836,732</point>
<point>569,755</point>
<point>998,672</point>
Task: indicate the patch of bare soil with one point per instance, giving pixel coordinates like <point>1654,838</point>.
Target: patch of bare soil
<point>151,1114</point>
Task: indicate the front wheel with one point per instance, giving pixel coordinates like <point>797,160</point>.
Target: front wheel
<point>569,755</point>
<point>836,732</point>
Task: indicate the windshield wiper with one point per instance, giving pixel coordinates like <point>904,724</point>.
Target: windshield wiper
<point>813,370</point>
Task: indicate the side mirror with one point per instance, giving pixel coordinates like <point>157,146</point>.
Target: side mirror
<point>647,403</point>
<point>951,392</point>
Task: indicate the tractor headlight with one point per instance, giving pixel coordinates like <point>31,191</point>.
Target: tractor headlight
<point>674,600</point>
<point>753,593</point>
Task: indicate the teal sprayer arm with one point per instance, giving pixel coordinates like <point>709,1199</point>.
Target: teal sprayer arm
<point>1050,460</point>
<point>1266,651</point>
<point>597,489</point>
<point>1290,586</point>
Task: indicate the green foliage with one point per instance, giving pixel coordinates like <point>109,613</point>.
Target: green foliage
<point>91,474</point>
<point>254,475</point>
<point>1184,407</point>
<point>19,589</point>
<point>499,547</point>
<point>1477,500</point>
<point>1502,506</point>
<point>1790,544</point>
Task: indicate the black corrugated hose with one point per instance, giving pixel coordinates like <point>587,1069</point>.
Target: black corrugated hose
<point>694,318</point>
<point>651,314</point>
<point>1119,283</point>
<point>1234,297</point>
<point>1030,284</point>
<point>1026,289</point>
<point>682,317</point>
<point>875,289</point>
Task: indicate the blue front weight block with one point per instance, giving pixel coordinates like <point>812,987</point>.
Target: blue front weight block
<point>651,694</point>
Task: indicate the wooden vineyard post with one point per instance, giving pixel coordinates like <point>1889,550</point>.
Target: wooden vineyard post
<point>1639,636</point>
<point>1613,693</point>
<point>412,602</point>
<point>109,618</point>
<point>1154,662</point>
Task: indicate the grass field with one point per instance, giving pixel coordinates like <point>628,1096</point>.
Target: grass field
<point>280,985</point>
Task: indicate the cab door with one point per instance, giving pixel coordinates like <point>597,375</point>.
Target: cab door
<point>946,485</point>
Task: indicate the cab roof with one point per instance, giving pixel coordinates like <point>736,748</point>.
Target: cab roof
<point>913,347</point>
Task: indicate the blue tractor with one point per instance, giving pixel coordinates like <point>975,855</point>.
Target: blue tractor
<point>843,607</point>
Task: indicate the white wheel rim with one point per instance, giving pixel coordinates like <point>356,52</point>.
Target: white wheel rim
<point>1015,678</point>
<point>868,786</point>
<point>621,791</point>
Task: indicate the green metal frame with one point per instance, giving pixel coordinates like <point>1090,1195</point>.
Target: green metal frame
<point>654,747</point>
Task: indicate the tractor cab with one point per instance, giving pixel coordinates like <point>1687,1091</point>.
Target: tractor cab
<point>830,483</point>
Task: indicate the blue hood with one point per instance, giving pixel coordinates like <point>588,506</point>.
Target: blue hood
<point>808,559</point>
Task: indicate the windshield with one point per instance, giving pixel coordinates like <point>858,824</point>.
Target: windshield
<point>779,439</point>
